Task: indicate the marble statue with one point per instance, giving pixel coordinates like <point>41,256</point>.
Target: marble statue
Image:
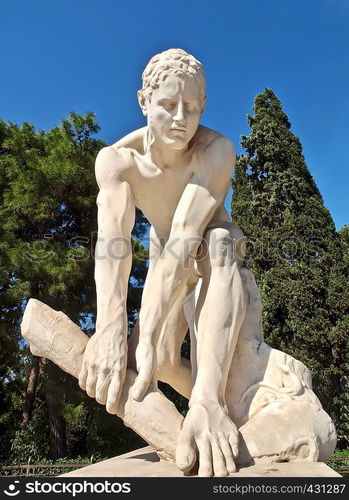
<point>247,402</point>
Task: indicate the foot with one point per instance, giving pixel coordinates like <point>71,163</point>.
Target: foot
<point>209,436</point>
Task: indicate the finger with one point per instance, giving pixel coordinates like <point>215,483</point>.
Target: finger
<point>234,444</point>
<point>228,454</point>
<point>91,385</point>
<point>102,389</point>
<point>114,394</point>
<point>186,452</point>
<point>83,378</point>
<point>205,458</point>
<point>143,380</point>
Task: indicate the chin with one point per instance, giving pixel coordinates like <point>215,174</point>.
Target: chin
<point>179,142</point>
<point>176,144</point>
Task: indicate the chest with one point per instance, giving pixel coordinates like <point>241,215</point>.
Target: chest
<point>157,192</point>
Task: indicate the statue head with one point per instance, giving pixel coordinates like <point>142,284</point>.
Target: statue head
<point>172,61</point>
<point>173,96</point>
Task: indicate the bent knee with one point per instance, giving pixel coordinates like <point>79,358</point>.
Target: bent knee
<point>222,246</point>
<point>239,240</point>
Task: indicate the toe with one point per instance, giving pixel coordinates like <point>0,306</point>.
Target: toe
<point>219,467</point>
<point>228,454</point>
<point>205,459</point>
<point>186,452</point>
<point>234,444</point>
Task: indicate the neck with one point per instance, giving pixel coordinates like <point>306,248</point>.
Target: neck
<point>159,153</point>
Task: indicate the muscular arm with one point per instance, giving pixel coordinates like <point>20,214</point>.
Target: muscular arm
<point>104,364</point>
<point>198,204</point>
<point>116,216</point>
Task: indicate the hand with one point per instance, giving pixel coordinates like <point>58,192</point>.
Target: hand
<point>146,367</point>
<point>103,369</point>
<point>209,435</point>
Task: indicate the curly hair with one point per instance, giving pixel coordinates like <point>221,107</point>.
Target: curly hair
<point>171,61</point>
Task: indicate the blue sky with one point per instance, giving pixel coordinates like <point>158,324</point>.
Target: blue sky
<point>88,55</point>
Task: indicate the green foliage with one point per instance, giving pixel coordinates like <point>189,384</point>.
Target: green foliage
<point>294,252</point>
<point>11,402</point>
<point>48,226</point>
<point>32,442</point>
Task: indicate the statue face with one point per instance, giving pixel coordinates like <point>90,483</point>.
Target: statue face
<point>174,111</point>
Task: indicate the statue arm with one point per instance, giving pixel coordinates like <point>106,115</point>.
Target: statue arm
<point>104,365</point>
<point>200,200</point>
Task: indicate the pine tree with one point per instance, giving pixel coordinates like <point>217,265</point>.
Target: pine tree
<point>292,245</point>
<point>48,226</point>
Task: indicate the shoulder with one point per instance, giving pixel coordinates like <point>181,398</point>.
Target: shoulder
<point>108,167</point>
<point>215,152</point>
<point>113,162</point>
<point>210,142</point>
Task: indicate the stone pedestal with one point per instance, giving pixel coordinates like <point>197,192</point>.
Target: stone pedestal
<point>145,463</point>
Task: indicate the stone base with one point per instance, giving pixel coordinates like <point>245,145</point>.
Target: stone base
<point>144,462</point>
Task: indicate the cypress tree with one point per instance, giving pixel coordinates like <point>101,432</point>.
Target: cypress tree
<point>292,246</point>
<point>338,306</point>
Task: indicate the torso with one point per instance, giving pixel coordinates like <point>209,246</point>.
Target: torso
<point>157,191</point>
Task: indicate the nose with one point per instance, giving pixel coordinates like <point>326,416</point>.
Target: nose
<point>179,114</point>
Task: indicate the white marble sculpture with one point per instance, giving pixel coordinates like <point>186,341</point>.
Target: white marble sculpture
<point>247,402</point>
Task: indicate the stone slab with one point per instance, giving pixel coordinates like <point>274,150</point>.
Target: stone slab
<point>144,462</point>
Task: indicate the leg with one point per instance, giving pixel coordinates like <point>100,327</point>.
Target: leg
<point>220,312</point>
<point>172,368</point>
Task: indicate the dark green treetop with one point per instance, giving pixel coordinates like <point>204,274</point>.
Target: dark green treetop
<point>292,244</point>
<point>48,226</point>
